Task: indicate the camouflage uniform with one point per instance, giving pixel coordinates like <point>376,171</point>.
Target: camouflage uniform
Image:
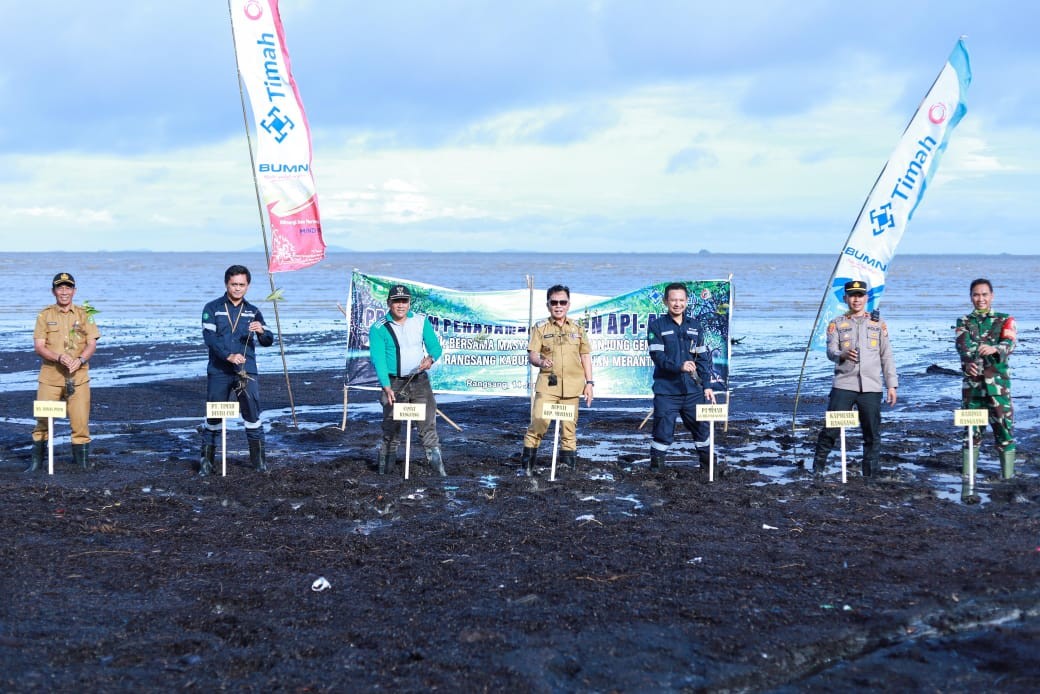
<point>992,389</point>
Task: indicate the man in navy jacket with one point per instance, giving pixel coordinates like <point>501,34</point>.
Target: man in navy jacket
<point>682,376</point>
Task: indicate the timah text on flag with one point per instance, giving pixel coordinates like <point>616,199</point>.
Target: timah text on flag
<point>283,154</point>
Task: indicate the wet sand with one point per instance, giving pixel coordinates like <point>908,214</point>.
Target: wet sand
<point>140,575</point>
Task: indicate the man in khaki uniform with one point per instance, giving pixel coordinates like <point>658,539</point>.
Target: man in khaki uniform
<point>65,337</point>
<point>560,348</point>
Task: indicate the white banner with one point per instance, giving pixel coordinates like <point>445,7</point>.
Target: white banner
<point>897,192</point>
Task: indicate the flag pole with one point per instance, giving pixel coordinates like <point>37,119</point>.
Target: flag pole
<point>263,226</point>
<point>866,201</point>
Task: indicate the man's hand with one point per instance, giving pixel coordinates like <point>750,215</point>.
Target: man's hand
<point>426,363</point>
<point>987,350</point>
<point>389,393</point>
<point>256,327</point>
<point>236,359</point>
<point>689,367</point>
<point>588,395</point>
<point>851,355</point>
<point>891,396</point>
<point>709,395</point>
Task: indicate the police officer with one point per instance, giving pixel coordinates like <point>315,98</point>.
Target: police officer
<point>561,350</point>
<point>403,347</point>
<point>231,328</point>
<point>857,343</point>
<point>682,376</point>
<point>985,340</point>
<point>65,337</point>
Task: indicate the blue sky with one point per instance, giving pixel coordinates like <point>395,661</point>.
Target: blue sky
<point>571,125</point>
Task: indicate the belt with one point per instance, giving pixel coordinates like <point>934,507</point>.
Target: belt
<point>421,374</point>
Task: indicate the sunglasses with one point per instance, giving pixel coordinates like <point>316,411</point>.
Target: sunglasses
<point>558,302</point>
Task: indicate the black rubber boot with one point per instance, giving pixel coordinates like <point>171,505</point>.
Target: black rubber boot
<point>39,450</point>
<point>819,465</point>
<point>387,459</point>
<point>569,459</point>
<point>656,459</point>
<point>206,459</point>
<point>257,455</point>
<point>433,456</point>
<point>704,457</point>
<point>81,455</point>
<point>527,459</point>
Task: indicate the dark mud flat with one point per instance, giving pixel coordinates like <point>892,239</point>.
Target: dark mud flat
<point>140,576</point>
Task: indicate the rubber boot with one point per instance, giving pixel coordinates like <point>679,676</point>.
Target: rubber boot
<point>656,459</point>
<point>387,459</point>
<point>1007,464</point>
<point>569,459</point>
<point>257,455</point>
<point>39,450</point>
<point>433,457</point>
<point>206,459</point>
<point>819,464</point>
<point>81,455</point>
<point>966,463</point>
<point>527,459</point>
<point>704,457</point>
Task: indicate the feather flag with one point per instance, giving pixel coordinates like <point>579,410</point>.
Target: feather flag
<point>282,161</point>
<point>897,192</point>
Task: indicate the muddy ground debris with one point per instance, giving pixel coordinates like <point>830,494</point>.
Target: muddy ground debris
<point>139,574</point>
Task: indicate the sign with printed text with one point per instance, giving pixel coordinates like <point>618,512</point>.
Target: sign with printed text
<point>555,410</point>
<point>49,408</point>
<point>842,418</point>
<point>713,413</point>
<point>970,418</point>
<point>221,410</point>
<point>415,411</point>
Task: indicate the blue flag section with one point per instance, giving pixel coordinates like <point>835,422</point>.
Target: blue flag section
<point>898,191</point>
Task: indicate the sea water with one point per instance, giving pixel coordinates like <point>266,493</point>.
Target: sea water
<point>146,299</point>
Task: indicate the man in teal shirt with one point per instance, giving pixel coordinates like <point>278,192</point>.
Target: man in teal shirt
<point>403,348</point>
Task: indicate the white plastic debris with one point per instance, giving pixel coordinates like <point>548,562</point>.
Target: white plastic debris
<point>320,584</point>
<point>769,527</point>
<point>586,517</point>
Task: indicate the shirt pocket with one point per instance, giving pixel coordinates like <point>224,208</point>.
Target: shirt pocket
<point>873,339</point>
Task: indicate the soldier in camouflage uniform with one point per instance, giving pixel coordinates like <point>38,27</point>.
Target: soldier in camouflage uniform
<point>985,340</point>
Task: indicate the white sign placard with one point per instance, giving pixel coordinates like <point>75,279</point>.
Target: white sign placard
<point>221,410</point>
<point>555,410</point>
<point>49,408</point>
<point>414,411</point>
<point>842,418</point>
<point>713,413</point>
<point>970,418</point>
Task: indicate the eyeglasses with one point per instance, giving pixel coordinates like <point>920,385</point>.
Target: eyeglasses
<point>558,302</point>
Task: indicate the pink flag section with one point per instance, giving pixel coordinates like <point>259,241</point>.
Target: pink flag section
<point>283,138</point>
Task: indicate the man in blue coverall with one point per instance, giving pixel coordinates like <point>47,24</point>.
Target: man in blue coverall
<point>682,376</point>
<point>229,324</point>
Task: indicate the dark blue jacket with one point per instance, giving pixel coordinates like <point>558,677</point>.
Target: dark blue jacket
<point>671,344</point>
<point>225,329</point>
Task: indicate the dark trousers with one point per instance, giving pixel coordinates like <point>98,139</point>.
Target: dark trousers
<point>417,390</point>
<point>220,387</point>
<point>869,406</point>
<point>666,407</point>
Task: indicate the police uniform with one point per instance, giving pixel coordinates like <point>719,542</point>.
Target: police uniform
<point>991,389</point>
<point>564,345</point>
<point>66,332</point>
<point>677,392</point>
<point>396,351</point>
<point>225,330</point>
<point>858,382</point>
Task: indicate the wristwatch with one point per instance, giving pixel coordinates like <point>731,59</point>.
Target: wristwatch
<point>590,383</point>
